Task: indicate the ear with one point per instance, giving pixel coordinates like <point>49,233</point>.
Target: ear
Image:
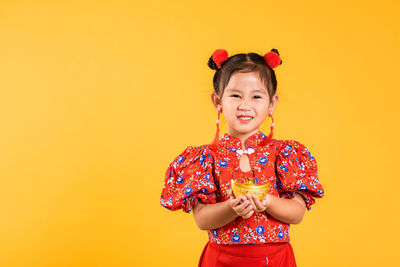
<point>274,102</point>
<point>216,100</point>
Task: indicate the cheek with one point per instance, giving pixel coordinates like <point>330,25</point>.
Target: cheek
<point>229,105</point>
<point>262,110</point>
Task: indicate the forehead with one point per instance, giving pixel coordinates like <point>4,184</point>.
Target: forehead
<point>250,82</point>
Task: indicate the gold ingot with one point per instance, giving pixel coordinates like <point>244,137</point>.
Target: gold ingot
<point>260,191</point>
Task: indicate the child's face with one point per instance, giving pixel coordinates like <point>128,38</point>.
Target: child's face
<point>245,95</point>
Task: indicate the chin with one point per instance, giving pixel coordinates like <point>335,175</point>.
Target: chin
<point>245,130</point>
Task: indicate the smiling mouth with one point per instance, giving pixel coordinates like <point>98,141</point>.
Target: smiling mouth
<point>244,118</point>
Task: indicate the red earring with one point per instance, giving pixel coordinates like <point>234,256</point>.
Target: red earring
<point>216,138</point>
<point>271,133</point>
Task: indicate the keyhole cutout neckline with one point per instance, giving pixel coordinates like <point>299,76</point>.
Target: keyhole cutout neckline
<point>247,162</point>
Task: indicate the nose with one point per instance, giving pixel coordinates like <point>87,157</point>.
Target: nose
<point>244,104</point>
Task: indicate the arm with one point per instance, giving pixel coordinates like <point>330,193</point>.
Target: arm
<point>216,215</point>
<point>212,216</point>
<point>290,211</point>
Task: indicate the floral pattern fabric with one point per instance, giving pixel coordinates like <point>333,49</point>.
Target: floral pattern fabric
<point>203,173</point>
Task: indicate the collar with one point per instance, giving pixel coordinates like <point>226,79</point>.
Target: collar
<point>234,144</point>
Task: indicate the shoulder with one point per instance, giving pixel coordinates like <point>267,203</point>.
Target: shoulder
<point>192,154</point>
<point>293,147</point>
<point>294,150</point>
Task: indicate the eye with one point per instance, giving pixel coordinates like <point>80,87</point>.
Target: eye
<point>235,95</point>
<point>257,96</point>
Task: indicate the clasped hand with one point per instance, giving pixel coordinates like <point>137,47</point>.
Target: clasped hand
<point>245,206</point>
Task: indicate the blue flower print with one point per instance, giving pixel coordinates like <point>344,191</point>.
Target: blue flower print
<point>283,167</point>
<point>180,159</point>
<point>188,190</point>
<point>179,180</point>
<point>286,154</point>
<point>260,229</point>
<point>262,135</point>
<point>204,190</point>
<point>303,187</point>
<point>288,147</point>
<point>320,191</point>
<point>215,233</point>
<point>202,157</point>
<point>207,177</point>
<point>223,163</point>
<point>301,165</point>
<point>236,238</point>
<point>262,160</point>
<point>311,156</point>
<point>232,149</point>
<point>280,234</point>
<point>255,180</point>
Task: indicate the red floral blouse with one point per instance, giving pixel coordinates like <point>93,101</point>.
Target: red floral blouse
<point>204,173</point>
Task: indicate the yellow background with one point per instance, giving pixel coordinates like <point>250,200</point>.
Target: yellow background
<point>98,97</point>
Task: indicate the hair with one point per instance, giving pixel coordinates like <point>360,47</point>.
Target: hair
<point>243,63</point>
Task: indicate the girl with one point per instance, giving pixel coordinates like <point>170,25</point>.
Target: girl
<point>242,230</point>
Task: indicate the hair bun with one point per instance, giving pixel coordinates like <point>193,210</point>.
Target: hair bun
<point>217,58</point>
<point>272,58</point>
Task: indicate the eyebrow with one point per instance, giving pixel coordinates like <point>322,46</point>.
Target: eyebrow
<point>255,90</point>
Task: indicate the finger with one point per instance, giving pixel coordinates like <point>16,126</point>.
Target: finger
<point>237,199</point>
<point>232,197</point>
<point>267,200</point>
<point>249,208</point>
<point>250,198</point>
<point>237,205</point>
<point>248,215</point>
<point>240,200</point>
<point>246,205</point>
<point>242,207</point>
<point>257,203</point>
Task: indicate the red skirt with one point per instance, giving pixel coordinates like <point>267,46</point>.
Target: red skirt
<point>255,255</point>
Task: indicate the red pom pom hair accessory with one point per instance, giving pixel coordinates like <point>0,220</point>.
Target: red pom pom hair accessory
<point>219,56</point>
<point>272,58</point>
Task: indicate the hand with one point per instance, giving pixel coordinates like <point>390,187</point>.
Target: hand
<point>259,206</point>
<point>241,206</point>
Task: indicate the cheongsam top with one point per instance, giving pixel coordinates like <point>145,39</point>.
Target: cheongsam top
<point>203,173</point>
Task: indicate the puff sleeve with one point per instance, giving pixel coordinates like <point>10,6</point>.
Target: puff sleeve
<point>188,179</point>
<point>297,172</point>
